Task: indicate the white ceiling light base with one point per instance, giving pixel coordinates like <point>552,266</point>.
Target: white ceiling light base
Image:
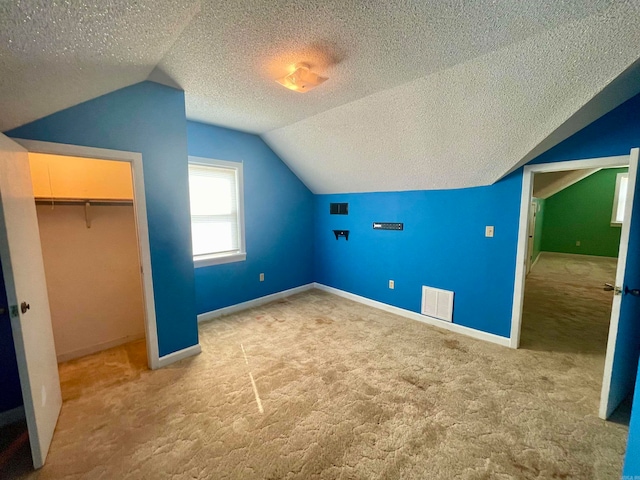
<point>301,79</point>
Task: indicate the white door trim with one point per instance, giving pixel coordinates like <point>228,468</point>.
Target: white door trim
<point>525,200</point>
<point>140,209</point>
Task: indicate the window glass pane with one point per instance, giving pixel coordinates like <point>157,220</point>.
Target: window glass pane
<point>622,197</point>
<point>214,209</point>
<point>212,195</point>
<point>212,237</point>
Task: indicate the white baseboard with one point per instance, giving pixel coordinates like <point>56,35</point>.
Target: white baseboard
<point>536,260</point>
<point>256,302</point>
<point>81,352</point>
<point>470,332</point>
<point>179,355</point>
<point>582,255</point>
<point>11,416</point>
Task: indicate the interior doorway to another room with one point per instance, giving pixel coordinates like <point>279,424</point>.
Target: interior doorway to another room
<point>574,232</point>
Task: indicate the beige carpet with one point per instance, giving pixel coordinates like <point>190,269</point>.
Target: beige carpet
<point>347,392</point>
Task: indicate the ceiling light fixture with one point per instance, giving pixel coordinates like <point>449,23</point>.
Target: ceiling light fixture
<point>301,79</point>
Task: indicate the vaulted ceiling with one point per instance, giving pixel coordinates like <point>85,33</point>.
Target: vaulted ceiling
<point>421,94</point>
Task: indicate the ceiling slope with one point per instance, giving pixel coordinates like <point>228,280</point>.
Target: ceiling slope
<point>548,184</point>
<point>56,54</point>
<point>228,58</point>
<point>465,125</point>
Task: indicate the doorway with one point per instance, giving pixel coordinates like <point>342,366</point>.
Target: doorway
<point>576,272</point>
<point>131,163</point>
<point>90,251</point>
<point>28,304</point>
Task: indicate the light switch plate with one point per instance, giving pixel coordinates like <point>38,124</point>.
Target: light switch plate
<point>488,231</point>
<point>392,284</point>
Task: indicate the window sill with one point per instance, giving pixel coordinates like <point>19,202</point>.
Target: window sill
<point>219,259</point>
<point>616,224</point>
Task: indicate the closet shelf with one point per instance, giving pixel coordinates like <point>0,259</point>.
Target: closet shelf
<point>84,202</point>
<point>95,202</point>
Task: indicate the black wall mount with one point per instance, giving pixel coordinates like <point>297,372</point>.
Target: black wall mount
<point>341,233</point>
<point>388,226</point>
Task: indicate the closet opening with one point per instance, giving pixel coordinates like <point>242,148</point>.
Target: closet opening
<point>91,250</point>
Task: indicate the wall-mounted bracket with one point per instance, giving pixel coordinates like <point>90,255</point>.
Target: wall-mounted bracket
<point>341,233</point>
<point>388,226</point>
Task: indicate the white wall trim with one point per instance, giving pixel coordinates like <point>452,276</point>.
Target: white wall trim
<point>453,327</point>
<point>535,261</point>
<point>239,169</point>
<point>582,255</point>
<point>525,200</point>
<point>179,355</point>
<point>140,209</point>
<point>12,416</point>
<point>256,302</point>
<point>81,352</point>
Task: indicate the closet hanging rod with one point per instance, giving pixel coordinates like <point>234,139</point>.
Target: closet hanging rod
<point>82,202</point>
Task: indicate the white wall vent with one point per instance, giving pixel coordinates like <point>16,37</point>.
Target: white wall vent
<point>437,303</point>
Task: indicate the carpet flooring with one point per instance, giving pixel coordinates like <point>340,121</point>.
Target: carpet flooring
<point>319,387</point>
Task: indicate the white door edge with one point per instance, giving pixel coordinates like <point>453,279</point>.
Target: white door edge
<point>140,209</point>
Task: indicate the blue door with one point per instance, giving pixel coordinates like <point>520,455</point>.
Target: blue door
<point>623,347</point>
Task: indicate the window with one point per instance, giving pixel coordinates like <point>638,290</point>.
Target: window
<point>217,220</point>
<point>619,199</point>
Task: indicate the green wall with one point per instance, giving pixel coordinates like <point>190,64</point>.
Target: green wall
<point>537,236</point>
<point>582,212</point>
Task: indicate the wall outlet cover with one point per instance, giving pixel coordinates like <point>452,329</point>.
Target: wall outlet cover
<point>392,284</point>
<point>488,231</point>
<point>262,277</point>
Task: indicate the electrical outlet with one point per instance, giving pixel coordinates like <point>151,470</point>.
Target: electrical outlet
<point>488,231</point>
<point>392,284</point>
<point>577,243</point>
<point>262,277</point>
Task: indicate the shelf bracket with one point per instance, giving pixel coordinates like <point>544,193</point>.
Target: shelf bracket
<point>87,214</point>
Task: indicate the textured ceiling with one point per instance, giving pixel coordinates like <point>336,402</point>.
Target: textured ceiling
<point>231,53</point>
<point>468,124</point>
<point>58,53</point>
<point>422,94</point>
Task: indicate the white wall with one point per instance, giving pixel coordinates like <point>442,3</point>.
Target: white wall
<point>93,277</point>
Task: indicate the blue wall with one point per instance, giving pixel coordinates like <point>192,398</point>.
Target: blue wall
<point>148,118</point>
<point>443,245</point>
<point>278,222</point>
<point>632,460</point>
<point>10,393</point>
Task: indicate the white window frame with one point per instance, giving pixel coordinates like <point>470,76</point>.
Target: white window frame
<point>616,199</point>
<point>241,255</point>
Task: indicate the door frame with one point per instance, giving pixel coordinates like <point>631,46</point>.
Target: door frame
<point>142,227</point>
<point>531,229</point>
<point>525,201</point>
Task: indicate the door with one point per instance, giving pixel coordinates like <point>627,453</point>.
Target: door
<point>23,270</point>
<point>533,207</point>
<point>623,346</point>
